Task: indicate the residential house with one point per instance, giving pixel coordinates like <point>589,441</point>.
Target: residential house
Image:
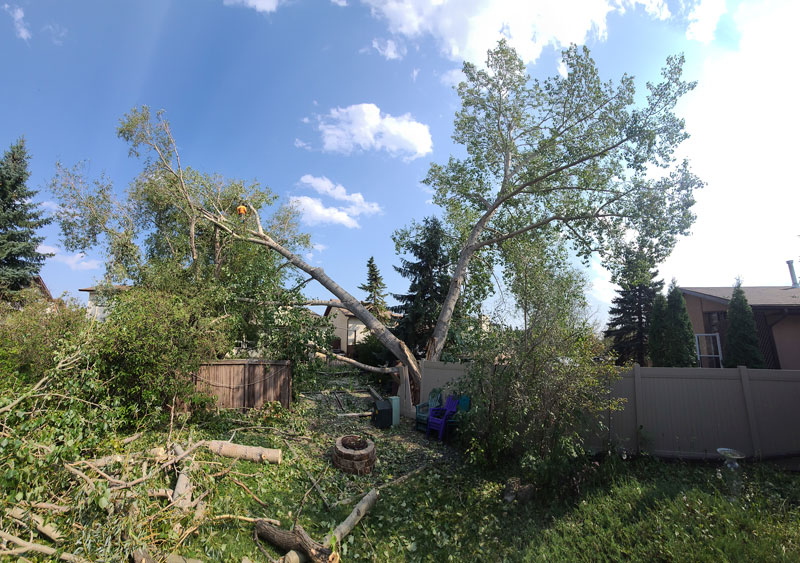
<point>347,329</point>
<point>776,311</point>
<point>97,306</point>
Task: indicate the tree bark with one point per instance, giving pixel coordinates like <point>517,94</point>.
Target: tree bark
<point>355,517</point>
<point>249,453</point>
<point>296,540</point>
<point>182,495</point>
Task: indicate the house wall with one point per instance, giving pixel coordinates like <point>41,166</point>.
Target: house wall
<point>94,310</point>
<point>339,321</point>
<point>697,306</point>
<point>787,341</point>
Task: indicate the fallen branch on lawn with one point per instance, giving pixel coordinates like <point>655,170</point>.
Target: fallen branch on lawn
<point>249,492</point>
<point>381,487</point>
<point>305,496</point>
<point>182,494</point>
<point>297,540</point>
<point>38,548</point>
<point>27,518</point>
<point>249,453</point>
<point>142,555</point>
<point>223,517</point>
<point>341,531</point>
<point>354,414</point>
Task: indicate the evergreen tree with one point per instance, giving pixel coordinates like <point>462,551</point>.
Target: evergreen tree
<point>375,289</point>
<point>630,314</point>
<point>19,220</point>
<point>741,342</point>
<point>429,283</point>
<point>657,333</point>
<point>679,344</point>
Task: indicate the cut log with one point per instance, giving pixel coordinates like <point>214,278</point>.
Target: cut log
<point>142,555</point>
<point>355,517</point>
<point>27,518</point>
<point>353,414</point>
<point>296,540</point>
<point>182,494</point>
<point>249,453</point>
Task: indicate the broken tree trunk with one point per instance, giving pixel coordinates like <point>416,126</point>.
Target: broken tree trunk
<point>249,453</point>
<point>297,540</point>
<point>342,529</point>
<point>182,495</point>
<point>355,517</point>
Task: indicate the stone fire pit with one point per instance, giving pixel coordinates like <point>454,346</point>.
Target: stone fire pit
<point>354,454</point>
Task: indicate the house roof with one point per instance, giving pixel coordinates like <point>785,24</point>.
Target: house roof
<point>757,296</point>
<point>39,282</point>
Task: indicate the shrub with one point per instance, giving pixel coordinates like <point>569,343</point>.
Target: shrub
<point>151,344</point>
<point>30,331</point>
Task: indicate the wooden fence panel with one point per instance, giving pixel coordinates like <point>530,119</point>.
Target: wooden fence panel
<point>245,384</point>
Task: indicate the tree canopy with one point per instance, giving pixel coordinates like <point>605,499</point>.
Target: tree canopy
<point>375,288</point>
<point>572,154</point>
<point>671,333</point>
<point>20,261</point>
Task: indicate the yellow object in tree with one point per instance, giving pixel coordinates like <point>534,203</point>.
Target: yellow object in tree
<point>242,211</point>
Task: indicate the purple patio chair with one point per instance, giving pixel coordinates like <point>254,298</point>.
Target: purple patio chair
<point>438,417</point>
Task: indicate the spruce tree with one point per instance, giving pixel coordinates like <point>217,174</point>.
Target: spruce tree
<point>680,349</point>
<point>429,283</point>
<point>630,314</point>
<point>375,289</point>
<point>657,334</point>
<point>741,342</point>
<point>19,219</point>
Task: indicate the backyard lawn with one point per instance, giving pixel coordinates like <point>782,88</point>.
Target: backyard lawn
<point>613,509</point>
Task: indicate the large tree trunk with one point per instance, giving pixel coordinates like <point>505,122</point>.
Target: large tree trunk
<point>296,540</point>
<point>439,336</point>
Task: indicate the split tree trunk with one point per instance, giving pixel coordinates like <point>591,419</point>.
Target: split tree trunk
<point>297,540</point>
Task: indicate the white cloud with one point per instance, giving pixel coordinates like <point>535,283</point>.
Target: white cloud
<point>302,145</point>
<point>18,15</point>
<point>466,29</point>
<point>57,33</point>
<point>306,120</point>
<point>414,74</point>
<point>743,136</point>
<point>452,77</point>
<point>358,205</point>
<point>339,2</point>
<point>319,247</point>
<point>313,212</point>
<point>703,20</point>
<point>265,6</point>
<point>362,126</point>
<point>389,49</point>
<point>75,261</point>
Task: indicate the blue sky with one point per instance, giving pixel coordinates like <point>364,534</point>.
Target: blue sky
<point>341,106</point>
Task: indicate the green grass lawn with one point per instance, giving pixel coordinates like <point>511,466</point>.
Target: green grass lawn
<point>641,509</point>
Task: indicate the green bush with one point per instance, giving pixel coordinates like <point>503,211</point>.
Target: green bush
<point>151,344</point>
<point>30,331</point>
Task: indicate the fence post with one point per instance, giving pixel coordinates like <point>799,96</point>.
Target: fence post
<point>637,394</point>
<point>755,437</point>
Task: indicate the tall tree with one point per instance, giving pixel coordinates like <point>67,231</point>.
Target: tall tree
<point>741,341</point>
<point>572,154</point>
<point>657,333</point>
<point>429,280</point>
<point>680,349</point>
<point>630,313</point>
<point>375,289</point>
<point>20,262</point>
